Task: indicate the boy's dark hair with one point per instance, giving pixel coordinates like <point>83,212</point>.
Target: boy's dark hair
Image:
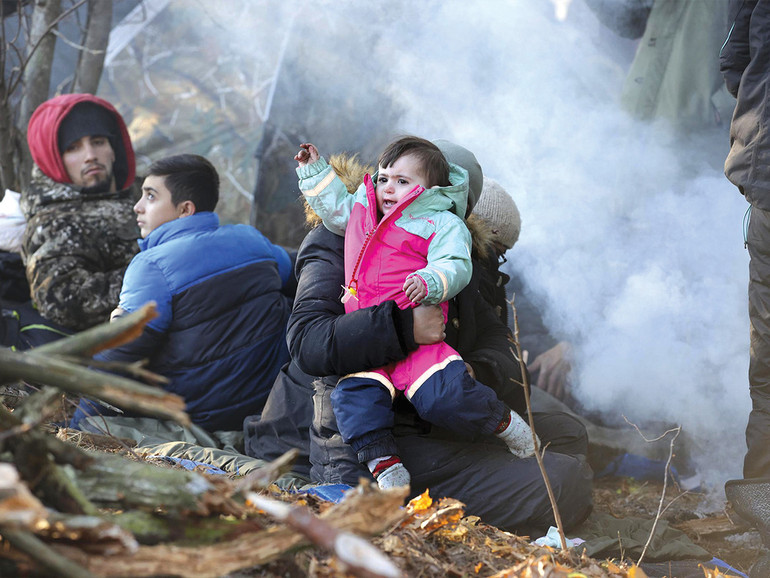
<point>189,178</point>
<point>434,165</point>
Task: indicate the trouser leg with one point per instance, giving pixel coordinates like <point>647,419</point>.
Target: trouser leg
<point>757,461</point>
<point>364,411</point>
<point>452,399</point>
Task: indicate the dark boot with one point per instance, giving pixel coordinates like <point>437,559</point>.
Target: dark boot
<point>751,501</point>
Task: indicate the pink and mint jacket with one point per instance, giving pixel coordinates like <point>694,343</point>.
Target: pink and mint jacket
<point>423,235</point>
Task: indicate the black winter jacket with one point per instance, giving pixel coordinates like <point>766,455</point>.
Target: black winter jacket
<point>744,62</point>
<point>322,338</point>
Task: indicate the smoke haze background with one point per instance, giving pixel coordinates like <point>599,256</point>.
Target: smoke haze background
<point>632,236</point>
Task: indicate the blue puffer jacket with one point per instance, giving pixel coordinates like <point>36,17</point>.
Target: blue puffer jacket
<point>220,337</point>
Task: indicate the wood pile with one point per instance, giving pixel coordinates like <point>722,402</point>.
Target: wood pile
<point>78,505</point>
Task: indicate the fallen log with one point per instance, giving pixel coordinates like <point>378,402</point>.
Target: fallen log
<point>35,367</point>
<point>104,336</point>
<point>56,364</point>
<point>714,526</point>
<point>117,482</point>
<point>365,510</point>
<point>33,451</point>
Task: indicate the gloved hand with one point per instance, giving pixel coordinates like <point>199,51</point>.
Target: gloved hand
<point>518,437</point>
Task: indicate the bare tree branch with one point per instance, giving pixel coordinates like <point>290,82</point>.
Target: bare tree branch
<point>97,35</point>
<point>666,474</point>
<point>36,69</point>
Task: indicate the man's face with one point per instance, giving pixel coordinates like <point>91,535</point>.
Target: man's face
<point>89,161</point>
<point>396,181</point>
<point>155,207</point>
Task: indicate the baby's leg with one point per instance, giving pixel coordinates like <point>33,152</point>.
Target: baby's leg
<point>363,407</point>
<point>445,394</point>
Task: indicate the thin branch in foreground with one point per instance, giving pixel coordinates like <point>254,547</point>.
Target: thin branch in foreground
<point>538,452</point>
<point>666,474</point>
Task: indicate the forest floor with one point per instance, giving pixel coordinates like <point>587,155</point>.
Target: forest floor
<point>440,539</point>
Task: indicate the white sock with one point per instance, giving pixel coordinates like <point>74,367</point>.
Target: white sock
<point>389,472</point>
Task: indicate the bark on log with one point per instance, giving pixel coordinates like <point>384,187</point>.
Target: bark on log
<point>43,555</point>
<point>366,511</point>
<point>114,481</point>
<point>32,453</point>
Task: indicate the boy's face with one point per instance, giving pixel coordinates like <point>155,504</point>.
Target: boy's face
<point>397,180</point>
<point>89,162</point>
<point>155,207</point>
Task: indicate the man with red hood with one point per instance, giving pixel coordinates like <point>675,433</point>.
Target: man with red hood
<point>81,230</point>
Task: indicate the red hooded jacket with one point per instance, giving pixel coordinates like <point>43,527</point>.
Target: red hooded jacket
<point>43,131</point>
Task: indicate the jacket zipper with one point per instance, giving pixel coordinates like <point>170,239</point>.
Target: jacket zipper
<point>352,288</point>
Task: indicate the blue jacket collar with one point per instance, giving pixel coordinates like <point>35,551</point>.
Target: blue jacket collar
<point>203,221</point>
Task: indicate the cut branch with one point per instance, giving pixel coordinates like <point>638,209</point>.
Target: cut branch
<point>105,336</point>
<point>538,453</point>
<point>358,555</point>
<point>72,378</point>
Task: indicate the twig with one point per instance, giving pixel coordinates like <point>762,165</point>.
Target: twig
<point>261,478</point>
<point>660,437</point>
<point>14,81</point>
<point>538,453</point>
<point>136,369</point>
<point>44,555</point>
<point>75,45</point>
<point>663,493</point>
<point>359,556</point>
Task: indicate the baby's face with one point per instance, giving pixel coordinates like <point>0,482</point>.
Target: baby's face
<point>398,180</point>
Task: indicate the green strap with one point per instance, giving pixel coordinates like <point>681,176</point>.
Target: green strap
<point>39,326</point>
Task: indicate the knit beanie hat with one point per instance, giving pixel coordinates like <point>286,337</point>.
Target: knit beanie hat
<point>86,119</point>
<point>466,159</point>
<point>90,118</point>
<point>498,210</point>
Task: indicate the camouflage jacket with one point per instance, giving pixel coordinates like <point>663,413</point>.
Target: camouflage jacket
<point>76,249</point>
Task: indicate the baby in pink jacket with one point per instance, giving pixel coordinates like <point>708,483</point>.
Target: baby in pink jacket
<point>406,240</point>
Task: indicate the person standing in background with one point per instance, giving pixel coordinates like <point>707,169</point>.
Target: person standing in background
<point>745,64</point>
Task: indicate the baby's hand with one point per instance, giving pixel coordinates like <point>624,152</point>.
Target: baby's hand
<point>415,289</point>
<point>307,155</point>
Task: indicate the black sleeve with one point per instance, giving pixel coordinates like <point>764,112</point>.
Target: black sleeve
<point>488,347</point>
<point>325,341</point>
<point>735,54</point>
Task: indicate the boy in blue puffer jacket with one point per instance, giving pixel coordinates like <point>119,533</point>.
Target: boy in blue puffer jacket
<point>223,295</point>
